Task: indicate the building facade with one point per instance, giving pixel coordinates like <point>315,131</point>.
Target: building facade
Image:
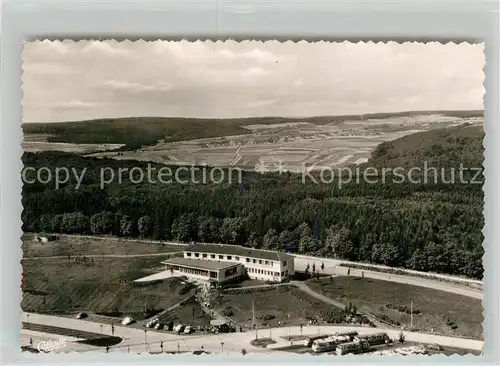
<point>205,270</point>
<point>223,262</point>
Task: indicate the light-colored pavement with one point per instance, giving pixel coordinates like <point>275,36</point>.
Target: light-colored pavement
<point>163,275</point>
<point>136,340</point>
<point>332,266</point>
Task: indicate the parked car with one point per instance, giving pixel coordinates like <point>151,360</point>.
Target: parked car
<point>178,328</point>
<point>434,347</point>
<point>188,330</point>
<point>158,326</point>
<point>152,323</point>
<point>127,320</point>
<point>169,326</point>
<point>81,315</point>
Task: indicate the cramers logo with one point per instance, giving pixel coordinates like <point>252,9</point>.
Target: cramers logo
<point>48,346</point>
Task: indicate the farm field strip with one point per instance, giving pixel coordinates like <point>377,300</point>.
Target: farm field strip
<point>353,141</point>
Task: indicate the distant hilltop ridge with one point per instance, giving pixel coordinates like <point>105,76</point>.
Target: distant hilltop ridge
<point>137,132</point>
<point>273,119</point>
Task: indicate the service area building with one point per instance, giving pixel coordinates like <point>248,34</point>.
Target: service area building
<point>223,262</point>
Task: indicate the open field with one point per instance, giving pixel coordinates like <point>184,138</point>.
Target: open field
<point>443,312</point>
<point>285,304</point>
<point>38,142</point>
<point>329,143</point>
<point>100,285</point>
<point>74,246</point>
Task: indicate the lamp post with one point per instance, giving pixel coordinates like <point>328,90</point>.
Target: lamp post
<point>28,322</point>
<point>101,330</point>
<point>178,348</point>
<point>145,340</point>
<point>289,336</point>
<point>222,346</point>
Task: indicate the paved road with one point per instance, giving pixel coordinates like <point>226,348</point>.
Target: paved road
<point>136,340</point>
<point>331,266</point>
<point>303,286</point>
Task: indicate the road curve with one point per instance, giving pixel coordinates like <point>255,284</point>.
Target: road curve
<point>331,266</point>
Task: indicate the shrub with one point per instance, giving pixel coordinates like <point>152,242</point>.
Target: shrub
<point>267,317</point>
<point>185,289</point>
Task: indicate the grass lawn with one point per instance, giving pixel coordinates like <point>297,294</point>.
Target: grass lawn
<point>97,285</point>
<point>86,246</point>
<point>246,283</point>
<point>437,307</point>
<point>94,339</point>
<point>189,313</point>
<point>285,304</point>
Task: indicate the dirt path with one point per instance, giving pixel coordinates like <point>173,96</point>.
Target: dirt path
<point>303,286</point>
<point>167,310</point>
<point>105,255</point>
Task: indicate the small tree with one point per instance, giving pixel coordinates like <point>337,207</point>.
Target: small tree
<point>314,268</point>
<point>322,266</point>
<point>307,269</point>
<point>348,271</point>
<point>362,274</point>
<point>243,352</point>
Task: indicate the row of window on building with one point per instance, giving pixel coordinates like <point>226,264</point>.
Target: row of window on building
<point>230,258</point>
<point>268,273</point>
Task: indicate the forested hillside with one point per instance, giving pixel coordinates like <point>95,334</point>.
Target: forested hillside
<point>135,132</point>
<point>447,147</point>
<point>427,227</point>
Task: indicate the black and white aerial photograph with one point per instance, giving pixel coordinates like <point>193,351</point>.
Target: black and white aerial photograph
<point>252,198</point>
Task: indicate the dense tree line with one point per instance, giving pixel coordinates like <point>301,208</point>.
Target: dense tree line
<point>427,227</point>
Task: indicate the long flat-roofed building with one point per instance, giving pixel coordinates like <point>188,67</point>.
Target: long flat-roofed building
<point>224,262</point>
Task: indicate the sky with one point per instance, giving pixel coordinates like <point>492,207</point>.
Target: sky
<point>68,81</point>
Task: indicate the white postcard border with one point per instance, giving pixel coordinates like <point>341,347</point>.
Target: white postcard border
<point>447,21</point>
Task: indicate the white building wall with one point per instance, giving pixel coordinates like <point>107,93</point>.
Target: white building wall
<point>260,269</point>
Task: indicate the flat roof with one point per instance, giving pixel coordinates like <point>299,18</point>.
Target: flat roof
<point>198,263</point>
<point>238,250</point>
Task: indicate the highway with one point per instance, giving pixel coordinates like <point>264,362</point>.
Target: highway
<point>137,341</point>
